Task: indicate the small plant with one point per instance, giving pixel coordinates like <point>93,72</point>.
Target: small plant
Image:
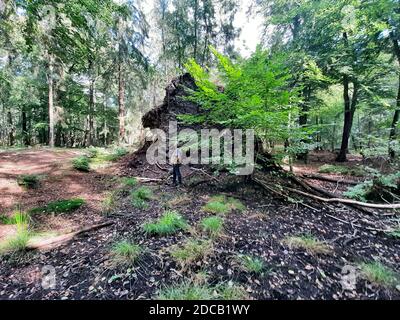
<point>92,152</point>
<point>19,241</point>
<point>108,203</point>
<point>28,180</point>
<point>308,243</point>
<point>213,226</point>
<point>60,206</point>
<point>129,182</point>
<point>125,253</point>
<point>17,218</point>
<point>81,163</point>
<point>251,264</point>
<point>191,251</point>
<point>335,169</point>
<point>232,292</point>
<point>190,290</point>
<point>394,233</point>
<point>169,223</point>
<point>186,291</point>
<point>116,154</point>
<point>376,272</point>
<point>140,197</point>
<point>223,204</point>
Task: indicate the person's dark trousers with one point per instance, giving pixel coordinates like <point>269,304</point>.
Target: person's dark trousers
<point>177,174</point>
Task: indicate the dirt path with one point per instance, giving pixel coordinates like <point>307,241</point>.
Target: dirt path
<point>58,180</point>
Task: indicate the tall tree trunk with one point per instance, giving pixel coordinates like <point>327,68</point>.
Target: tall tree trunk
<point>393,127</point>
<point>121,103</point>
<point>25,134</point>
<point>11,139</point>
<point>196,9</point>
<point>396,117</point>
<point>51,101</point>
<point>350,105</point>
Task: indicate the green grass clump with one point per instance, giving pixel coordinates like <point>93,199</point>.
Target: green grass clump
<point>125,253</point>
<point>189,290</point>
<point>117,154</point>
<point>60,206</point>
<point>308,243</point>
<point>81,163</point>
<point>213,226</point>
<point>191,251</point>
<point>169,223</point>
<point>251,264</point>
<point>28,180</point>
<point>377,273</point>
<point>17,218</point>
<point>92,152</point>
<point>109,203</point>
<point>223,204</point>
<point>19,241</point>
<point>141,196</point>
<point>129,182</point>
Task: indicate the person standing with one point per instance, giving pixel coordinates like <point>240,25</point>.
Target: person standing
<point>176,161</point>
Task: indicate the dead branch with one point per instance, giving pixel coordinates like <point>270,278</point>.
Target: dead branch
<point>142,179</point>
<point>329,179</point>
<point>345,201</point>
<point>53,242</point>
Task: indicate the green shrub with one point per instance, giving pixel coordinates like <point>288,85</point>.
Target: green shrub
<point>28,180</point>
<point>81,163</point>
<point>92,152</point>
<point>213,226</point>
<point>60,206</point>
<point>251,264</point>
<point>19,241</point>
<point>191,251</point>
<point>376,272</point>
<point>169,223</point>
<point>216,207</point>
<point>223,204</point>
<point>125,253</point>
<point>141,196</point>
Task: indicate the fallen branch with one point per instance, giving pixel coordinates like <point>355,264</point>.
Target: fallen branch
<point>329,179</point>
<point>142,179</point>
<point>53,242</point>
<point>346,201</point>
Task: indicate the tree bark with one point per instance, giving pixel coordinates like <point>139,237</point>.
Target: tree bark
<point>121,103</point>
<point>25,134</point>
<point>51,101</point>
<point>350,105</point>
<point>396,116</point>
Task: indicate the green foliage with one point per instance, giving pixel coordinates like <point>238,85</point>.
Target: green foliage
<point>19,241</point>
<point>251,264</point>
<point>192,250</point>
<point>379,274</point>
<point>81,163</point>
<point>169,223</point>
<point>129,182</point>
<point>125,253</point>
<point>109,203</point>
<point>213,226</point>
<point>60,206</point>
<point>28,180</point>
<point>308,243</point>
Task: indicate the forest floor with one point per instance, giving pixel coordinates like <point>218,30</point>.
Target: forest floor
<point>266,228</point>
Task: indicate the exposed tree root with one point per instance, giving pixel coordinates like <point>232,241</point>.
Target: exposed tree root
<point>54,242</point>
<point>329,179</point>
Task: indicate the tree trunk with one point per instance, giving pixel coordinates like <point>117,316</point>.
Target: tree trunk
<point>51,101</point>
<point>349,109</point>
<point>121,103</point>
<point>396,117</point>
<point>11,140</point>
<point>25,133</point>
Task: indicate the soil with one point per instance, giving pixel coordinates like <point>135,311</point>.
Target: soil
<point>83,268</point>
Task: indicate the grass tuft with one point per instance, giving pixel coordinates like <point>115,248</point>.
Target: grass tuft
<point>223,204</point>
<point>129,182</point>
<point>141,196</point>
<point>125,253</point>
<point>251,264</point>
<point>378,273</point>
<point>308,243</point>
<point>81,163</point>
<point>191,251</point>
<point>17,218</point>
<point>213,226</point>
<point>169,223</point>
